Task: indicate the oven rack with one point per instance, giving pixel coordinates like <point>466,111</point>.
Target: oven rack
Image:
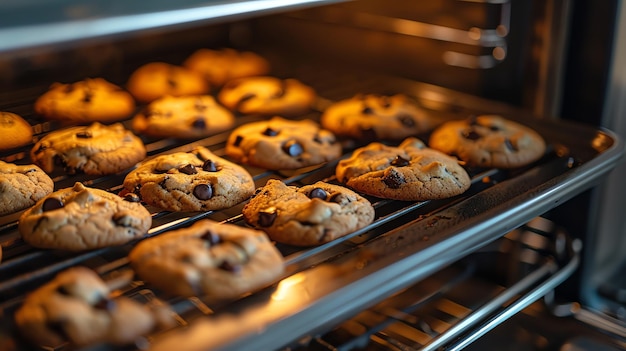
<point>326,285</point>
<point>462,302</point>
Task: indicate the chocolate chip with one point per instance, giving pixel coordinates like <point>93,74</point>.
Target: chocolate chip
<point>62,289</point>
<point>199,123</point>
<point>400,161</point>
<point>470,134</point>
<point>318,193</point>
<point>393,179</point>
<point>88,96</point>
<point>270,132</point>
<point>163,183</point>
<point>293,148</point>
<point>238,140</point>
<point>132,197</point>
<point>211,237</point>
<point>267,217</point>
<point>385,101</point>
<point>188,169</point>
<point>203,191</point>
<point>227,266</point>
<point>494,128</point>
<point>509,145</point>
<point>367,110</point>
<point>406,120</point>
<point>84,135</point>
<point>171,83</point>
<point>105,304</point>
<point>209,166</point>
<point>51,203</point>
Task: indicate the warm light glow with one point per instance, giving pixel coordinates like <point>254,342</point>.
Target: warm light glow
<point>289,286</point>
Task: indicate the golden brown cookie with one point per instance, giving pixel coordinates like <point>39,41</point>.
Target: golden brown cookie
<point>220,66</point>
<point>77,307</point>
<point>489,141</point>
<point>84,102</point>
<point>267,96</point>
<point>81,218</point>
<point>306,216</point>
<point>15,131</point>
<point>280,143</point>
<point>190,181</point>
<point>409,172</point>
<point>96,149</point>
<point>208,259</point>
<point>183,117</point>
<point>373,117</point>
<point>21,186</point>
<point>158,79</point>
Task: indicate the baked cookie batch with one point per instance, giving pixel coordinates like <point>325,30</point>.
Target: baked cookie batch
<point>206,95</point>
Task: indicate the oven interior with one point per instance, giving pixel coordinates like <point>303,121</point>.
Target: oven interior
<point>424,276</point>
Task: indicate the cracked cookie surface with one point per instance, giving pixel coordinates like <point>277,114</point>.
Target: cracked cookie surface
<point>208,259</point>
<point>309,215</point>
<point>86,101</point>
<point>279,143</point>
<point>267,95</point>
<point>22,186</point>
<point>96,149</point>
<point>409,172</point>
<point>77,307</point>
<point>190,181</point>
<point>183,117</point>
<point>489,141</point>
<point>81,218</point>
<point>370,117</point>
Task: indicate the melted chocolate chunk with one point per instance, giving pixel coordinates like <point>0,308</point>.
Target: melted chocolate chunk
<point>88,96</point>
<point>51,203</point>
<point>494,128</point>
<point>238,140</point>
<point>198,123</point>
<point>367,110</point>
<point>393,180</point>
<point>230,267</point>
<point>400,161</point>
<point>122,220</point>
<point>211,237</point>
<point>106,304</point>
<point>270,132</point>
<point>188,169</point>
<point>509,145</point>
<point>203,191</point>
<point>318,193</point>
<point>84,135</point>
<point>470,134</point>
<point>62,289</point>
<point>293,148</point>
<point>132,197</point>
<point>406,120</point>
<point>267,217</point>
<point>163,183</point>
<point>209,166</point>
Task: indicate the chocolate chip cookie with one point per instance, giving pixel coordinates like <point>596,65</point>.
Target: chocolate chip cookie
<point>220,66</point>
<point>95,150</point>
<point>81,218</point>
<point>77,307</point>
<point>409,172</point>
<point>370,117</point>
<point>309,215</point>
<point>489,141</point>
<point>208,259</point>
<point>21,186</point>
<point>267,96</point>
<point>84,102</point>
<point>183,117</point>
<point>15,131</point>
<point>158,79</point>
<point>190,181</point>
<point>279,143</point>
